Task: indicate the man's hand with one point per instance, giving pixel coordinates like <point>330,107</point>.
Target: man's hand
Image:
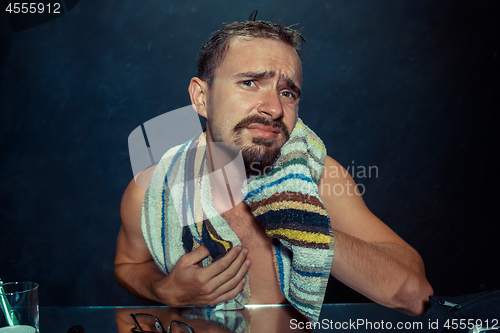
<point>189,283</point>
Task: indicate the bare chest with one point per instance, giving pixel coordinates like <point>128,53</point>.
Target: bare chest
<point>264,285</point>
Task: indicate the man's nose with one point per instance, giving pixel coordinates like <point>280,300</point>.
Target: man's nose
<point>270,105</point>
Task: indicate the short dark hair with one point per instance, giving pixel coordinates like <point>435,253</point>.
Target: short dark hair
<point>213,52</point>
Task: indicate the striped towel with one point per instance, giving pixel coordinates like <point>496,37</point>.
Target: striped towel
<point>180,217</point>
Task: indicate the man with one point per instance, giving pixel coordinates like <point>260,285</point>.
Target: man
<point>248,89</point>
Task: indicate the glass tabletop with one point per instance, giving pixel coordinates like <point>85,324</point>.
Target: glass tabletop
<point>258,318</point>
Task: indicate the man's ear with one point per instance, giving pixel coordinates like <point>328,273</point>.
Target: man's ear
<point>198,91</point>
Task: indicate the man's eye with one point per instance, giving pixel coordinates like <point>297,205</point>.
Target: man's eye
<point>287,94</point>
<point>248,83</point>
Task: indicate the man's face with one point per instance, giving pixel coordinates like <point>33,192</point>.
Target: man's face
<point>253,101</point>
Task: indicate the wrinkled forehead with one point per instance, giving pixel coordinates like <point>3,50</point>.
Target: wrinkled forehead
<point>257,54</point>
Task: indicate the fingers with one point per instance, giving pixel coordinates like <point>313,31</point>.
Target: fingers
<point>231,277</point>
<point>223,263</point>
<point>195,256</point>
<point>231,294</point>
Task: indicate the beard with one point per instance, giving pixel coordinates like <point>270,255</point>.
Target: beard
<point>260,155</point>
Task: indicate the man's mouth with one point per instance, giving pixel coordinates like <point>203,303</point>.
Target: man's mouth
<point>263,131</point>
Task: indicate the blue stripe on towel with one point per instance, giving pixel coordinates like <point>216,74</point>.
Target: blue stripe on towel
<point>279,259</point>
<point>276,182</point>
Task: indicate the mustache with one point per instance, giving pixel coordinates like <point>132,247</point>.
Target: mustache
<point>256,119</point>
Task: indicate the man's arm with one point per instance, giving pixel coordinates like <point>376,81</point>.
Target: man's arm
<point>369,257</point>
<point>188,283</point>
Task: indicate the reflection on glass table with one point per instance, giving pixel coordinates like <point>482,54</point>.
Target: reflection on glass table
<point>254,319</point>
<point>205,319</point>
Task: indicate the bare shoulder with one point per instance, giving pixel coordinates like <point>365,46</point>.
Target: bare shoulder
<point>337,187</point>
<point>131,205</point>
<point>131,246</point>
<point>348,211</point>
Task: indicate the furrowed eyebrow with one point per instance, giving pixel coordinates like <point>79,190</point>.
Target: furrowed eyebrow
<point>267,75</point>
<point>256,75</point>
<point>293,87</point>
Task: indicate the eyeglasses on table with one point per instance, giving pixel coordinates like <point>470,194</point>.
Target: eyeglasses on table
<point>144,320</point>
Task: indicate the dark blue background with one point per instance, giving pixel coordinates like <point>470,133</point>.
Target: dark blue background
<point>410,87</point>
